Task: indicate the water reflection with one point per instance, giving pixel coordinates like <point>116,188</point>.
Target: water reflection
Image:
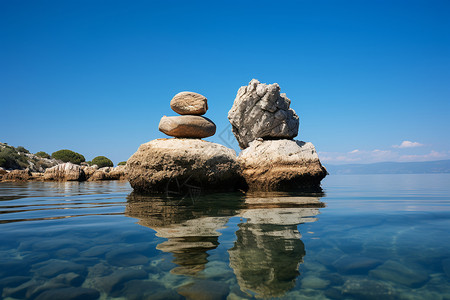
<point>190,230</point>
<point>267,252</point>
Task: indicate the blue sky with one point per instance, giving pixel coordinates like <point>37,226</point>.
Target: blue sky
<point>370,80</point>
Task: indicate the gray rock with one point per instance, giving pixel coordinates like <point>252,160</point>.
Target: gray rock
<point>125,257</point>
<point>260,111</point>
<point>189,103</point>
<point>139,289</point>
<point>70,293</point>
<point>204,290</point>
<point>172,165</point>
<point>13,281</point>
<point>71,279</point>
<point>99,270</point>
<point>281,164</point>
<point>355,264</point>
<point>97,250</point>
<point>313,282</point>
<point>54,267</point>
<point>22,291</point>
<point>116,280</point>
<point>367,289</point>
<point>411,276</point>
<point>187,126</point>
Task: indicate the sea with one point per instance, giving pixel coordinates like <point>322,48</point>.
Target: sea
<point>362,237</point>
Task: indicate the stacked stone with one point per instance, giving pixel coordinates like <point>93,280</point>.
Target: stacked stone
<point>265,126</point>
<point>190,124</point>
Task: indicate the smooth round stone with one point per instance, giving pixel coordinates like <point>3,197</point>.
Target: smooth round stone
<point>189,103</point>
<point>187,126</point>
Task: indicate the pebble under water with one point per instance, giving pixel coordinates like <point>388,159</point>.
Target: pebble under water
<point>364,237</point>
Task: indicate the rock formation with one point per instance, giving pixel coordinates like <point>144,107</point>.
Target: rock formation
<point>164,165</point>
<point>260,111</point>
<point>190,125</point>
<point>280,165</point>
<point>18,175</point>
<point>264,126</point>
<point>65,172</point>
<point>108,173</point>
<point>185,164</point>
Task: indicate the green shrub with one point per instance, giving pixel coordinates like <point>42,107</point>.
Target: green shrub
<point>10,159</point>
<point>42,154</point>
<point>22,149</point>
<point>89,163</point>
<point>122,163</point>
<point>102,161</point>
<point>68,156</point>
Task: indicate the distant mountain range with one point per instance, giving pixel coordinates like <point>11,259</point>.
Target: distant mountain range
<point>425,167</point>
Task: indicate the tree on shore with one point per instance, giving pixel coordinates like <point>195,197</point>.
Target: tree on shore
<point>68,156</point>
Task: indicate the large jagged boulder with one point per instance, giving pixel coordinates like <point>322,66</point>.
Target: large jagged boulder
<point>260,111</point>
<point>65,172</point>
<point>281,165</point>
<point>182,165</point>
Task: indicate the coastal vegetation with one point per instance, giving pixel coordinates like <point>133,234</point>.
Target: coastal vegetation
<point>66,155</point>
<point>122,163</point>
<point>11,158</point>
<point>43,154</point>
<point>102,161</point>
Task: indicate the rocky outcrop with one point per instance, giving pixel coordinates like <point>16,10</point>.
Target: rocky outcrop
<point>280,165</point>
<point>18,175</point>
<point>260,111</point>
<point>89,170</point>
<point>189,103</point>
<point>264,127</point>
<point>65,172</point>
<point>169,165</point>
<point>187,126</point>
<point>109,173</point>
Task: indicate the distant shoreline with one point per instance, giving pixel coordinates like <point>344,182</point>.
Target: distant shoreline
<point>425,167</point>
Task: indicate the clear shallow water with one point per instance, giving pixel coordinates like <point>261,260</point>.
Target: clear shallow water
<point>379,237</point>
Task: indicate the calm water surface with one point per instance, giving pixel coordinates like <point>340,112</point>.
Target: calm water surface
<point>366,237</point>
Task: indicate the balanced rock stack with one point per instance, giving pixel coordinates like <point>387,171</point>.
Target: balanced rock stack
<point>264,126</point>
<point>191,106</point>
<point>171,165</point>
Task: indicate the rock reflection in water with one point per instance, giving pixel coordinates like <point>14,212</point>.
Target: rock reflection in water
<point>268,251</point>
<point>191,230</point>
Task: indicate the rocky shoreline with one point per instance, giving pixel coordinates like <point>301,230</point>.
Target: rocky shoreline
<point>263,124</point>
<point>66,172</point>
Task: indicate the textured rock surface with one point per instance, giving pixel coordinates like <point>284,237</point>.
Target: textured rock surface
<point>89,170</point>
<point>281,164</point>
<point>189,103</point>
<point>17,175</point>
<point>159,164</point>
<point>109,173</point>
<point>187,126</point>
<point>260,111</point>
<point>65,172</point>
